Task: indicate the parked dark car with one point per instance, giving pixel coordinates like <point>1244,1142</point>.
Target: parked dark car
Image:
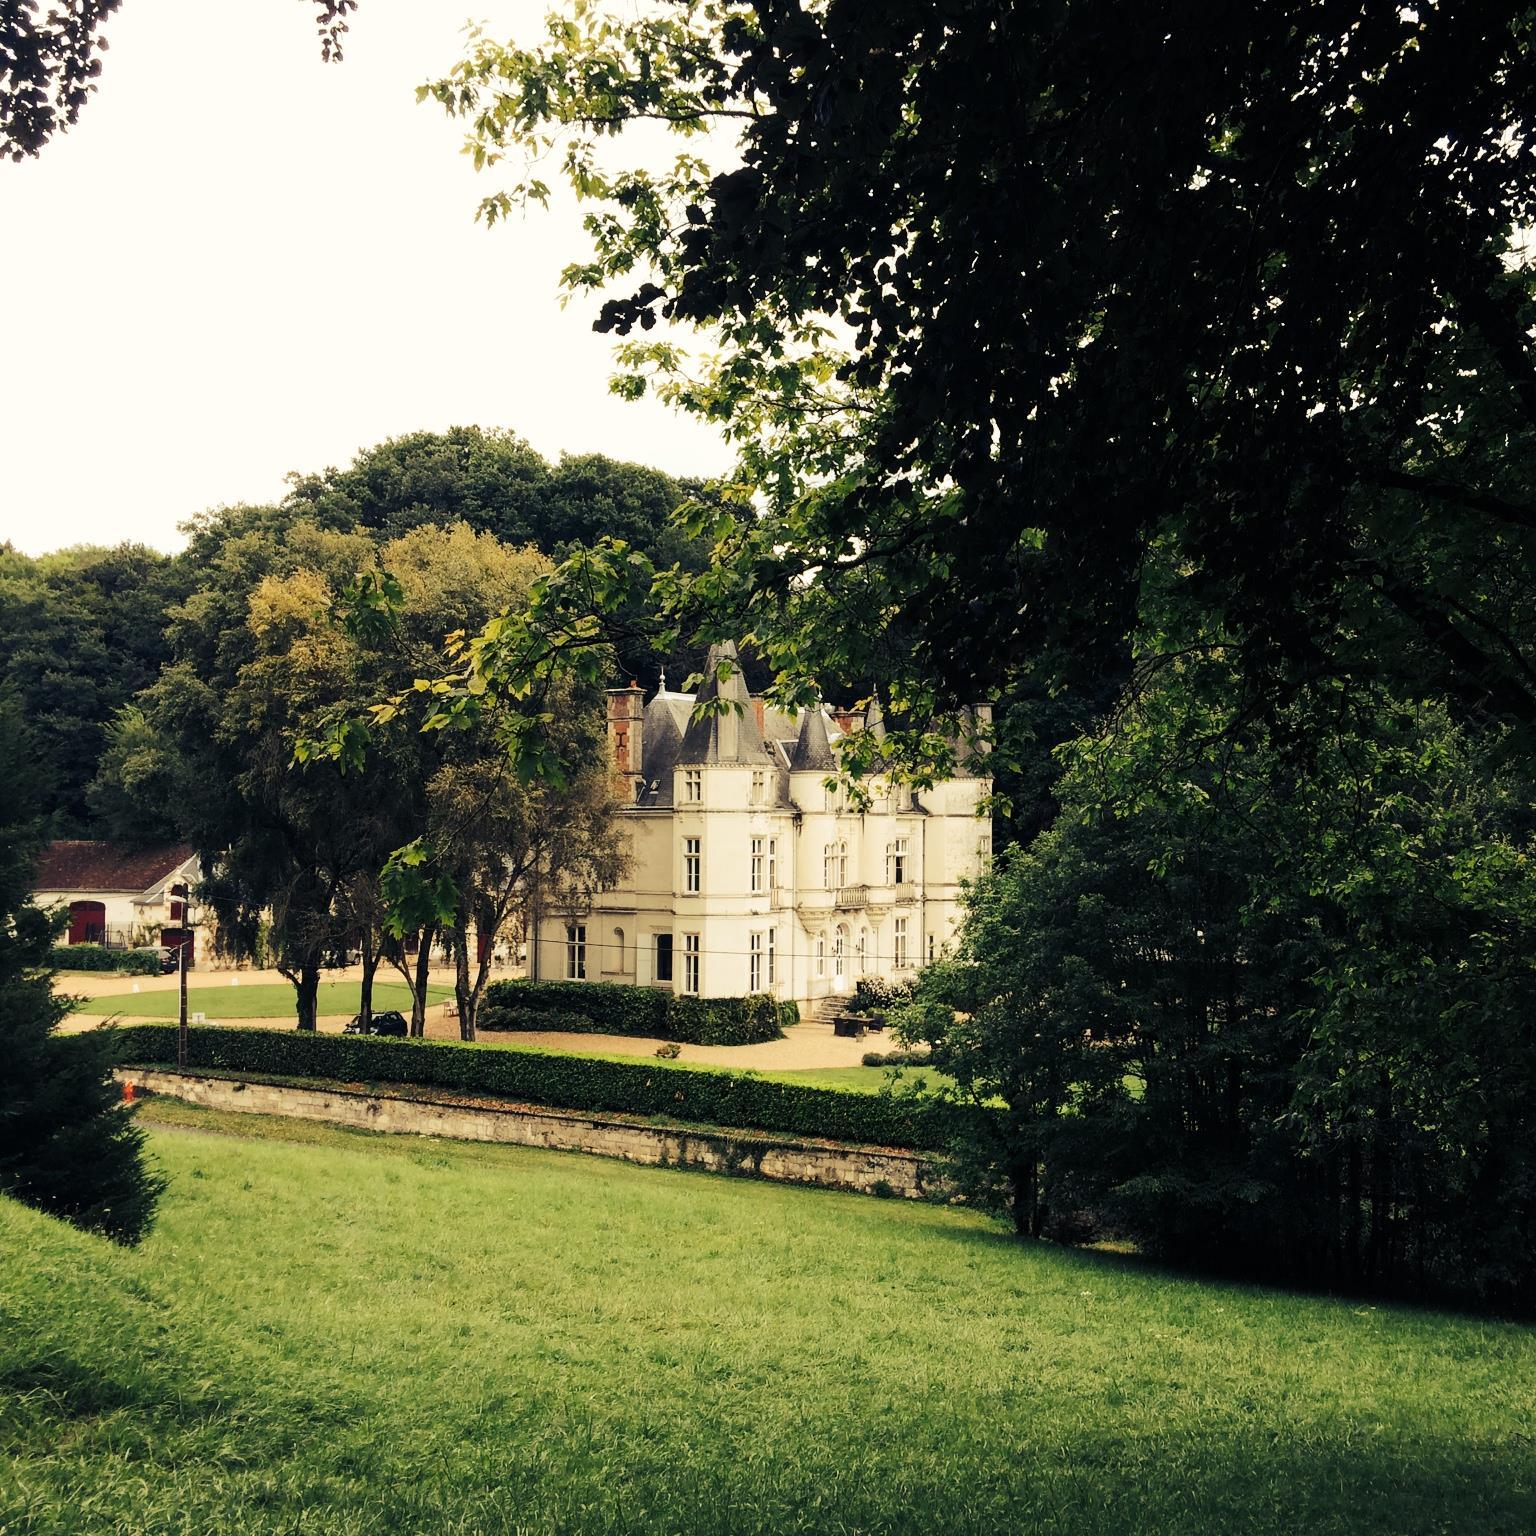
<point>389,1022</point>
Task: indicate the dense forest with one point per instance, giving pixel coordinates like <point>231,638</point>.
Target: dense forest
<point>85,630</point>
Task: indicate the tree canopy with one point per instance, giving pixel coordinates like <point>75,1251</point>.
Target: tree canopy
<point>1002,301</point>
<point>49,64</point>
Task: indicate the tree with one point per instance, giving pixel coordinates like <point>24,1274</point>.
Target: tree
<point>1002,301</point>
<point>68,1145</point>
<point>1261,1007</point>
<point>81,632</point>
<point>495,483</point>
<point>481,839</point>
<point>253,652</point>
<point>49,65</point>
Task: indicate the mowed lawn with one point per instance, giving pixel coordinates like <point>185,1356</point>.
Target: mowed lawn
<point>264,1000</point>
<point>333,1333</point>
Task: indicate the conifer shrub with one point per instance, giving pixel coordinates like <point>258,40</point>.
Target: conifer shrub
<point>68,1145</point>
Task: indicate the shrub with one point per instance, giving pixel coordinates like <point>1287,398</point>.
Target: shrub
<point>95,957</point>
<point>789,1014</point>
<point>608,1008</point>
<point>499,1016</point>
<point>669,1050</point>
<point>612,1008</point>
<point>546,1077</point>
<point>872,995</point>
<point>723,1020</point>
<point>897,1059</point>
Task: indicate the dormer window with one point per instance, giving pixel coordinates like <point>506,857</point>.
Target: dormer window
<point>759,786</point>
<point>693,786</point>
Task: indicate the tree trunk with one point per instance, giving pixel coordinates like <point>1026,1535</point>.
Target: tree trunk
<point>464,993</point>
<point>371,958</point>
<point>1026,1213</point>
<point>415,971</point>
<point>483,966</point>
<point>419,991</point>
<point>307,987</point>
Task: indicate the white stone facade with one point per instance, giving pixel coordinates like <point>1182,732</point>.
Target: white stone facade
<point>750,875</point>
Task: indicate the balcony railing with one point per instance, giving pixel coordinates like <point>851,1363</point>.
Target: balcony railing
<point>851,896</point>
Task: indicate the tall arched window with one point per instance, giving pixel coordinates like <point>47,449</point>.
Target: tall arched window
<point>840,950</point>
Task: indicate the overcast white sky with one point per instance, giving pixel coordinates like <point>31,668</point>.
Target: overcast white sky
<point>243,262</point>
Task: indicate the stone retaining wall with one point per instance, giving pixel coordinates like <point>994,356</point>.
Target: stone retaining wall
<point>862,1170</point>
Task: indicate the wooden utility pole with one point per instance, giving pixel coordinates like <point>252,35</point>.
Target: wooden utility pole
<point>181,957</point>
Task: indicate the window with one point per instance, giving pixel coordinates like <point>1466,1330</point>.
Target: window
<point>663,957</point>
<point>821,954</point>
<point>693,866</point>
<point>575,951</point>
<point>755,963</point>
<point>691,963</point>
<point>900,943</point>
<point>930,949</point>
<point>829,865</point>
<point>839,950</point>
<point>840,853</point>
<point>773,956</point>
<point>773,863</point>
<point>861,952</point>
<point>693,785</point>
<point>757,866</point>
<point>759,786</point>
<point>896,862</point>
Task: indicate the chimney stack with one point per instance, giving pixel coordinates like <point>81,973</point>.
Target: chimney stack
<point>626,744</point>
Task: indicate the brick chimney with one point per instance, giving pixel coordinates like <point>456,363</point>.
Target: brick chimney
<point>626,715</point>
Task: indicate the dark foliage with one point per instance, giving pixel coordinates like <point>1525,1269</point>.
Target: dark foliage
<point>49,63</point>
<point>67,1144</point>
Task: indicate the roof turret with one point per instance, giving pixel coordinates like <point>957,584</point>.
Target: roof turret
<point>730,733</point>
<point>813,750</point>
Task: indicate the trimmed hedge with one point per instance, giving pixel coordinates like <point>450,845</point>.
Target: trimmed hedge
<point>96,957</point>
<point>897,1059</point>
<point>546,1077</point>
<point>613,1008</point>
<point>495,1016</point>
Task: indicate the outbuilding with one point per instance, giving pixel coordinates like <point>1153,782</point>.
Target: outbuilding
<point>119,896</point>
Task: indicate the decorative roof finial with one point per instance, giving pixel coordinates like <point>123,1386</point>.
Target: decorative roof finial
<point>663,677</point>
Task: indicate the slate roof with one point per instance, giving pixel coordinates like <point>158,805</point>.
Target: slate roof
<point>661,739</point>
<point>84,865</point>
<point>732,735</point>
<point>813,748</point>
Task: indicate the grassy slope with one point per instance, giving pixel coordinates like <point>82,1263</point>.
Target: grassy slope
<point>337,1333</point>
<point>265,1000</point>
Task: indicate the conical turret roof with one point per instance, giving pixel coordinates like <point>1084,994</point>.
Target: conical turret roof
<point>813,749</point>
<point>729,734</point>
